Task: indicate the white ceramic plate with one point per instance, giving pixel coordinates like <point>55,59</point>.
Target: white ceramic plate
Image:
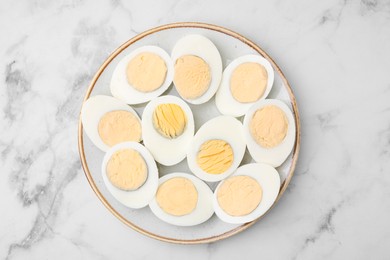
<point>231,45</point>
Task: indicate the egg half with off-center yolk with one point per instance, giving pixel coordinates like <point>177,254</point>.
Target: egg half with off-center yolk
<point>142,75</point>
<point>130,174</point>
<point>269,130</point>
<point>245,81</point>
<point>108,121</point>
<point>198,68</point>
<point>183,200</point>
<point>167,129</point>
<point>217,149</point>
<point>247,194</point>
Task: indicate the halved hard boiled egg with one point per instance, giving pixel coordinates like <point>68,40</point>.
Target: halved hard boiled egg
<point>217,149</point>
<point>269,129</point>
<point>182,200</point>
<point>130,174</point>
<point>245,81</point>
<point>142,75</point>
<point>198,68</point>
<point>108,121</point>
<point>167,129</point>
<point>247,194</point>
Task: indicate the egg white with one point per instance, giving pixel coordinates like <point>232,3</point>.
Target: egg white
<point>142,196</point>
<point>164,150</point>
<point>277,155</point>
<point>202,47</point>
<point>224,99</point>
<point>268,179</point>
<point>225,128</point>
<point>92,111</point>
<point>121,88</point>
<point>203,210</point>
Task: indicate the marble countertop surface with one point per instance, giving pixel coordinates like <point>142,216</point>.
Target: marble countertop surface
<point>336,55</point>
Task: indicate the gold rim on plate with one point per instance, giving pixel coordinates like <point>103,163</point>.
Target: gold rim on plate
<point>202,26</point>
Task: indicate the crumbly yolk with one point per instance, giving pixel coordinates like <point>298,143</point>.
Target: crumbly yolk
<point>192,76</point>
<point>127,169</point>
<point>239,195</point>
<point>146,72</point>
<point>177,196</point>
<point>215,156</point>
<point>248,82</point>
<point>119,126</point>
<point>269,126</point>
<point>169,120</point>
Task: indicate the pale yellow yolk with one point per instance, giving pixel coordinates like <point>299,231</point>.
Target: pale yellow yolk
<point>119,126</point>
<point>269,126</point>
<point>215,156</point>
<point>169,120</point>
<point>192,76</point>
<point>127,169</point>
<point>248,82</point>
<point>239,195</point>
<point>146,72</point>
<point>177,196</point>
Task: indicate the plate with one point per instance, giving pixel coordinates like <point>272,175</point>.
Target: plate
<point>231,45</point>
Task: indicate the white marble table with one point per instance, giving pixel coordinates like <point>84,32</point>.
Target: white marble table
<point>336,55</point>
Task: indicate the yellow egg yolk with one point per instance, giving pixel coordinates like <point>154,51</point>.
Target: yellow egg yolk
<point>239,195</point>
<point>127,170</point>
<point>146,72</point>
<point>119,126</point>
<point>177,196</point>
<point>215,156</point>
<point>269,126</point>
<point>169,120</point>
<point>248,82</point>
<point>192,76</point>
